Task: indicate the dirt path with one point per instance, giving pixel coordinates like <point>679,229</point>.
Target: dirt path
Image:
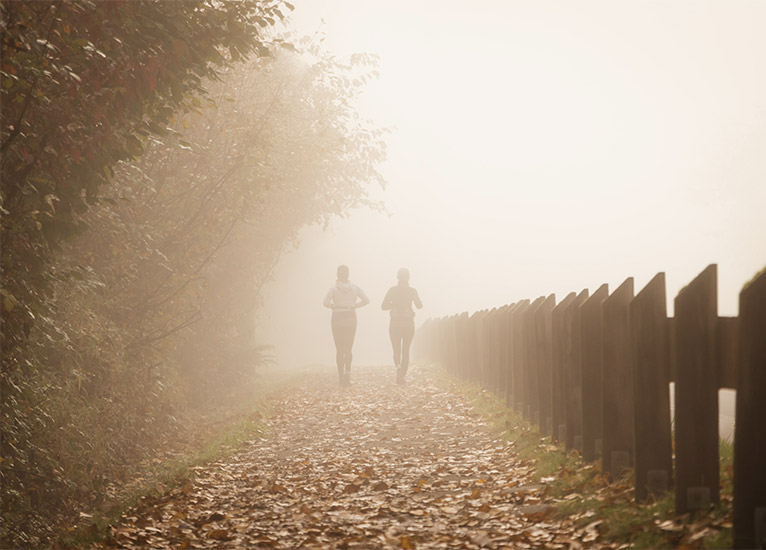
<point>368,466</point>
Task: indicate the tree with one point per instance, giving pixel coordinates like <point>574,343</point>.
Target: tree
<point>86,84</point>
<point>149,304</point>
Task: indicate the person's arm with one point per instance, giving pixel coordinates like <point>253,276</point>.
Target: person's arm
<point>363,299</point>
<point>387,302</point>
<point>416,299</point>
<point>328,299</point>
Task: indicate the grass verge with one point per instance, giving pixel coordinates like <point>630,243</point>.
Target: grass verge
<point>582,495</point>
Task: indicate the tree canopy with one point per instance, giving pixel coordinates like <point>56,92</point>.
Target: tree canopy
<point>157,159</point>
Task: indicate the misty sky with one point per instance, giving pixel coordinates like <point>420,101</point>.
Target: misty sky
<point>539,147</point>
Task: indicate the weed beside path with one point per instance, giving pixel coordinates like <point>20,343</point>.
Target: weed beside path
<point>368,466</point>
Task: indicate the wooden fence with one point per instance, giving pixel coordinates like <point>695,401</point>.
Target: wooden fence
<point>593,372</point>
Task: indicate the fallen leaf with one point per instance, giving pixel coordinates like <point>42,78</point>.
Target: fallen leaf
<point>220,534</point>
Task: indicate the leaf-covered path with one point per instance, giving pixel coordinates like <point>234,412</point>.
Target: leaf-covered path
<point>367,466</point>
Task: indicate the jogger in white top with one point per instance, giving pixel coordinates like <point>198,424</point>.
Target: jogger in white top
<point>343,298</point>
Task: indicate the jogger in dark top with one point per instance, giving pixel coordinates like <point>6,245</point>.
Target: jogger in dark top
<point>399,300</point>
<point>343,298</point>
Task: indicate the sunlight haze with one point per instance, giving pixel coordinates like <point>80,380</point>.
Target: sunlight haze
<point>537,148</point>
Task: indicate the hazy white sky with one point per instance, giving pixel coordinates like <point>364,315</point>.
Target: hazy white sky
<point>540,147</point>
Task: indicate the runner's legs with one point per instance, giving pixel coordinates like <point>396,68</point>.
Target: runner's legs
<point>395,333</point>
<point>408,332</point>
<point>343,332</point>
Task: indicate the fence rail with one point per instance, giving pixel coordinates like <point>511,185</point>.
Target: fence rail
<point>593,373</point>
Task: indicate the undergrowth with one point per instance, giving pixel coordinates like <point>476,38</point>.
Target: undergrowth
<point>175,468</point>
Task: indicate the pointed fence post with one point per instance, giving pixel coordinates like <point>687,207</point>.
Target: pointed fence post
<point>463,335</point>
<point>696,393</point>
<point>489,348</point>
<point>591,326</point>
<point>450,343</point>
<point>493,348</point>
<point>480,352</point>
<point>514,353</point>
<point>441,340</point>
<point>558,405</point>
<point>505,347</point>
<point>497,349</point>
<point>473,346</point>
<point>750,434</point>
<point>543,330</point>
<point>617,443</point>
<point>485,354</point>
<point>519,360</point>
<point>573,372</point>
<point>453,343</point>
<point>531,396</point>
<point>650,330</point>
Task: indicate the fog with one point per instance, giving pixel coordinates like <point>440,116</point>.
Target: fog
<point>536,148</point>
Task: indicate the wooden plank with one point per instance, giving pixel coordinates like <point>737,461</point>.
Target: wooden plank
<point>519,357</point>
<point>617,440</point>
<point>651,377</point>
<point>448,343</point>
<point>558,405</point>
<point>490,348</point>
<point>500,345</point>
<point>420,344</point>
<point>456,345</point>
<point>493,347</point>
<point>543,330</point>
<point>696,393</point>
<point>531,397</point>
<point>441,340</point>
<point>473,345</point>
<point>513,354</point>
<point>750,435</point>
<point>505,347</point>
<point>464,331</point>
<point>591,325</point>
<point>573,372</point>
<point>481,346</point>
<point>455,330</point>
